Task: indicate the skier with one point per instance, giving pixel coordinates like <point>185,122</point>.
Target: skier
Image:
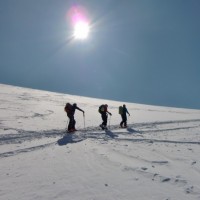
<point>103,110</point>
<point>70,110</point>
<point>122,111</point>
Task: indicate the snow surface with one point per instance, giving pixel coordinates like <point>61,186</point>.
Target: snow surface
<point>156,157</point>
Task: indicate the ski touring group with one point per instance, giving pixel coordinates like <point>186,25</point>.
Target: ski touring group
<point>103,110</point>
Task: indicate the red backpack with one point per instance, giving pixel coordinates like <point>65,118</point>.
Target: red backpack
<point>68,108</point>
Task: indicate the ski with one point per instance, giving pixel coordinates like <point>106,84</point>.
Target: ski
<point>71,132</point>
<point>123,127</point>
<point>103,127</point>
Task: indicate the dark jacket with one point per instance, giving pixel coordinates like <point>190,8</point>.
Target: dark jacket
<point>74,107</point>
<point>124,111</point>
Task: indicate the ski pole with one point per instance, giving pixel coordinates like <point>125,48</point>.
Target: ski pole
<point>67,124</point>
<point>129,118</point>
<point>109,121</point>
<point>84,120</point>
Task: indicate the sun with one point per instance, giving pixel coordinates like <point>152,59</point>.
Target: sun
<point>81,30</point>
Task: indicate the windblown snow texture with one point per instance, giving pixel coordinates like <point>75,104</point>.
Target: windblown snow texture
<point>156,157</point>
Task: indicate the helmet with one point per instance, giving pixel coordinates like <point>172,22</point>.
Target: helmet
<point>74,104</point>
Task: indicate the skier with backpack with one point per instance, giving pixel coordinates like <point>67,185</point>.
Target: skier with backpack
<point>103,110</point>
<point>70,110</point>
<point>122,111</point>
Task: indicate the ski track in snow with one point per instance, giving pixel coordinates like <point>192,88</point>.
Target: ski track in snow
<point>145,153</point>
<point>25,150</point>
<point>134,133</point>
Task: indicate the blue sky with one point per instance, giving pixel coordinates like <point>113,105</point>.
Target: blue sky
<point>140,51</point>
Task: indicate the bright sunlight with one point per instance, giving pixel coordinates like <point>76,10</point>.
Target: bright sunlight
<point>81,30</point>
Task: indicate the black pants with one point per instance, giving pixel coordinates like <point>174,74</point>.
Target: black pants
<point>104,117</point>
<point>124,120</point>
<point>72,122</point>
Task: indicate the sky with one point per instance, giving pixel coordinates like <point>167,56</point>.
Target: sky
<point>139,51</point>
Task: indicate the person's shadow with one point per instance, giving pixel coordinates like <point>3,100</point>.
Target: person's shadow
<point>110,134</point>
<point>131,130</point>
<point>69,138</point>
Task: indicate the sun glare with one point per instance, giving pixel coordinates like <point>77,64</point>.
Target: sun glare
<point>80,22</point>
<point>81,30</point>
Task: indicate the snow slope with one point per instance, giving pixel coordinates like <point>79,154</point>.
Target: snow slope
<point>156,157</point>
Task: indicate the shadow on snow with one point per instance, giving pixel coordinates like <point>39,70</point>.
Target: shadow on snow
<point>69,138</point>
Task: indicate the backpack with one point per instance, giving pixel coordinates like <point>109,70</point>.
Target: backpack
<point>120,110</point>
<point>68,108</point>
<point>101,108</point>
